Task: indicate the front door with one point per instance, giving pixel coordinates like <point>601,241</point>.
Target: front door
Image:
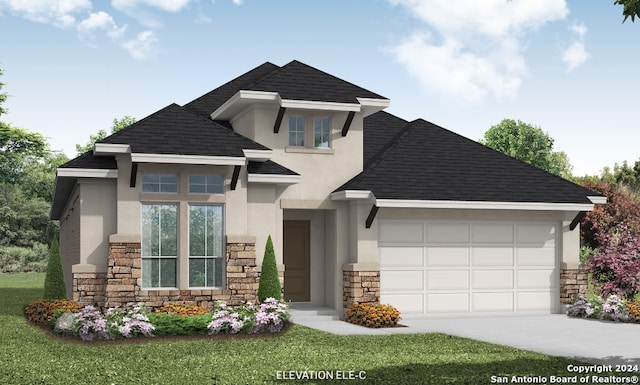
<point>296,250</point>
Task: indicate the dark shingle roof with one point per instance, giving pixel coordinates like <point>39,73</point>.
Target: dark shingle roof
<point>427,162</point>
<point>268,167</point>
<point>90,161</point>
<point>177,131</point>
<point>209,102</point>
<point>380,128</point>
<point>295,81</point>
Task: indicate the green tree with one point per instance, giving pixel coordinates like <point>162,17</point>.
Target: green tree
<point>17,147</point>
<point>631,8</point>
<point>3,95</point>
<point>529,144</point>
<point>269,284</point>
<point>118,125</point>
<point>54,286</point>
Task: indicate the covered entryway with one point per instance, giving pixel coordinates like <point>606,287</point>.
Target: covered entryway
<point>467,267</point>
<point>296,256</point>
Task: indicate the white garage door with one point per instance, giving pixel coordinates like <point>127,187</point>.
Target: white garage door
<point>438,267</point>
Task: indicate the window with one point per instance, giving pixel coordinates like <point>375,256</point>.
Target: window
<point>159,245</point>
<point>206,247</point>
<point>296,131</point>
<point>164,183</point>
<point>321,131</point>
<point>206,184</point>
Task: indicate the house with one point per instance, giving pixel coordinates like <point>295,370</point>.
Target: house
<point>361,205</point>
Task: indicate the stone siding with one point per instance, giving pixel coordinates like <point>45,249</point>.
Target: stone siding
<point>573,283</point>
<point>360,287</point>
<point>89,288</point>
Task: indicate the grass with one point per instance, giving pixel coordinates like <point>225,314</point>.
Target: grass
<point>29,355</point>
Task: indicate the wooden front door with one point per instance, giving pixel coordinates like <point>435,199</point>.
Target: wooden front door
<point>296,250</point>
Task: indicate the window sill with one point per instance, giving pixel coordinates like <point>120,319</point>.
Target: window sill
<point>309,150</point>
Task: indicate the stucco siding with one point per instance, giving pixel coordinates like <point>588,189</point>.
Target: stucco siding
<point>97,221</point>
<point>70,237</point>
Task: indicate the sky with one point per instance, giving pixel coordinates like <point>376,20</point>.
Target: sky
<point>569,67</point>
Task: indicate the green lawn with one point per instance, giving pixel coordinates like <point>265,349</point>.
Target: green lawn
<point>29,356</point>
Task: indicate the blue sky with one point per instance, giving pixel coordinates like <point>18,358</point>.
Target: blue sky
<point>570,67</point>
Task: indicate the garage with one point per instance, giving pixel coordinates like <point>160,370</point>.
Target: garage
<point>469,267</point>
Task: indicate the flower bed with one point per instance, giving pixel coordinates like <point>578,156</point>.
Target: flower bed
<point>89,323</point>
<point>613,308</point>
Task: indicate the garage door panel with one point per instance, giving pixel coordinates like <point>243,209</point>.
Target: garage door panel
<point>533,256</point>
<point>448,303</point>
<point>492,233</point>
<point>540,235</point>
<point>492,279</point>
<point>447,256</point>
<point>536,279</point>
<point>447,279</point>
<point>492,302</point>
<point>402,280</point>
<point>406,232</point>
<point>402,256</point>
<point>535,301</point>
<point>448,233</point>
<point>492,256</point>
<point>405,303</point>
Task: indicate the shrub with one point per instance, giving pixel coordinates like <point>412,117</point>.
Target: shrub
<point>182,310</point>
<point>46,312</point>
<point>270,316</point>
<point>634,311</point>
<point>373,315</point>
<point>613,309</point>
<point>176,325</point>
<point>91,324</point>
<point>54,286</point>
<point>15,259</point>
<point>616,265</point>
<point>269,283</point>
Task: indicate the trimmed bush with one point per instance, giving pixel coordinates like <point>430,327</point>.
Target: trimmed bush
<point>54,286</point>
<point>176,325</point>
<point>269,284</point>
<point>373,315</point>
<point>46,312</point>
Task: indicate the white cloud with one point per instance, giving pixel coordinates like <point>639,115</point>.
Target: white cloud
<point>474,49</point>
<point>576,54</point>
<point>238,2</point>
<point>164,5</point>
<point>100,21</point>
<point>59,13</point>
<point>143,47</point>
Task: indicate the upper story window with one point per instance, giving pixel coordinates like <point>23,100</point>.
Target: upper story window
<point>322,131</point>
<point>163,183</point>
<point>206,184</point>
<point>296,131</point>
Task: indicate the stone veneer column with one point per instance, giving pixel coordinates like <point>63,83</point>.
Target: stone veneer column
<point>361,283</point>
<point>242,272</point>
<point>573,283</point>
<point>88,285</point>
<point>124,269</point>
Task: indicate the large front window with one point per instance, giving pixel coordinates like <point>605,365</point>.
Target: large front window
<point>206,249</point>
<point>159,245</point>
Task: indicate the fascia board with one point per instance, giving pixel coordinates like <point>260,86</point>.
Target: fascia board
<point>273,178</point>
<point>351,195</point>
<point>86,173</point>
<point>598,200</point>
<point>258,155</point>
<point>321,106</point>
<point>188,159</point>
<point>110,149</point>
<point>483,205</point>
<point>240,100</point>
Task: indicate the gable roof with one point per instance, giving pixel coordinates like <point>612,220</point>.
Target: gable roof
<point>176,130</point>
<point>426,162</point>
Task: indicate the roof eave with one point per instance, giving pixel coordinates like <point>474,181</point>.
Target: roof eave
<point>484,205</point>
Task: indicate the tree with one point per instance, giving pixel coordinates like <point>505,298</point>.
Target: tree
<point>269,284</point>
<point>118,125</point>
<point>631,8</point>
<point>529,144</point>
<point>17,146</point>
<point>54,286</point>
<point>3,95</point>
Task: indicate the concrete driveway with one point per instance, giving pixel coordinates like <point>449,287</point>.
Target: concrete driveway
<point>600,342</point>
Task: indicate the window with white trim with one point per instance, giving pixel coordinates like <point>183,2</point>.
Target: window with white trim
<point>206,247</point>
<point>163,183</point>
<point>159,245</point>
<point>322,131</point>
<point>206,184</point>
<point>296,131</point>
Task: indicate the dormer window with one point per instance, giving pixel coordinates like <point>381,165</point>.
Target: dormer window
<point>310,131</point>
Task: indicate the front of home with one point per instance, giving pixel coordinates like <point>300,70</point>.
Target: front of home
<point>362,206</point>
